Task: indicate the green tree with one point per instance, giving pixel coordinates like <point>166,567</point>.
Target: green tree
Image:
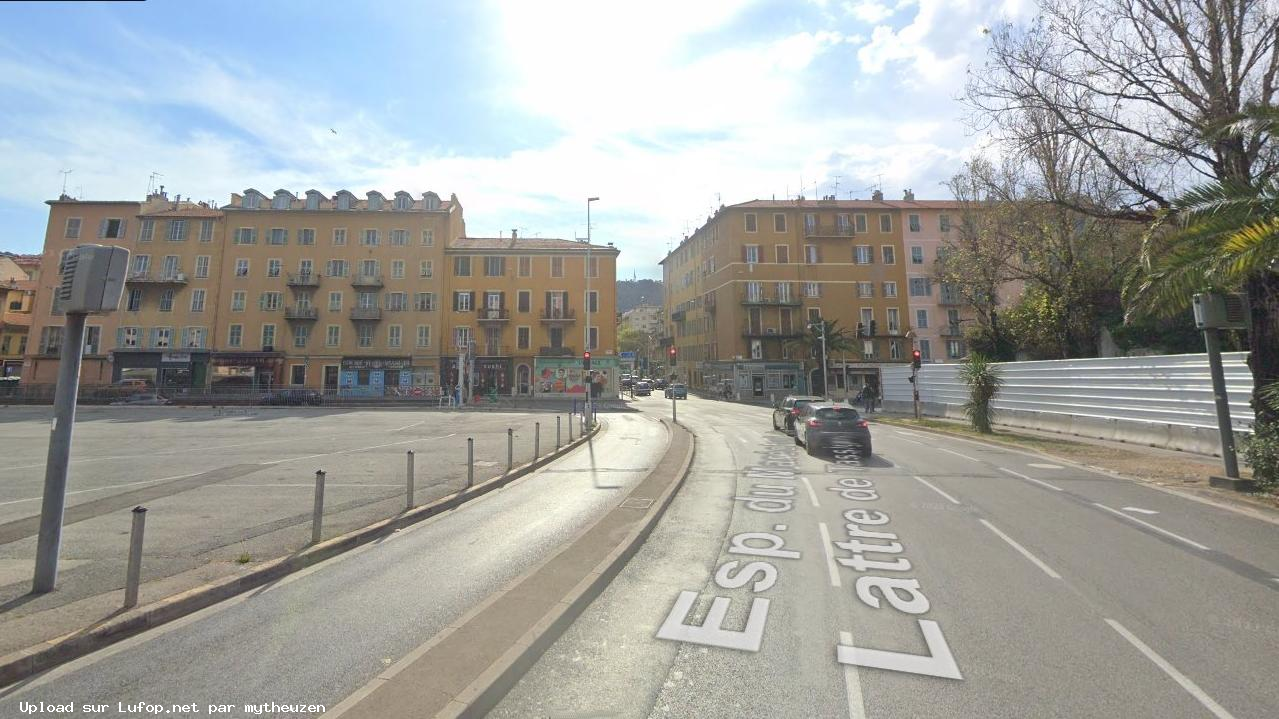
<point>983,380</point>
<point>838,340</point>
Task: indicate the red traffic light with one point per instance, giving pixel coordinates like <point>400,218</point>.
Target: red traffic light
<point>587,355</point>
<point>916,359</point>
<point>671,351</point>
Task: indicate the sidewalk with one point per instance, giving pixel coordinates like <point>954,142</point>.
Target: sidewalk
<point>1183,471</point>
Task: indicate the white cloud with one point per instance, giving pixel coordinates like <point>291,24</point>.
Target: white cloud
<point>868,11</point>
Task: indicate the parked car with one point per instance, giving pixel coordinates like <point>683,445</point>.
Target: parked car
<point>643,389</point>
<point>293,397</point>
<point>830,426</point>
<point>627,381</point>
<point>785,412</point>
<point>659,383</point>
<point>677,391</point>
<point>145,398</point>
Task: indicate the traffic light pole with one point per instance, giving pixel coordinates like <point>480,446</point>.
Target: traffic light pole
<point>914,386</point>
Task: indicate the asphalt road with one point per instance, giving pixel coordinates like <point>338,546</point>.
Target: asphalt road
<point>940,578</point>
<point>317,636</point>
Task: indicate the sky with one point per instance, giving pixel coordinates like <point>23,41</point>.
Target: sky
<point>663,109</point>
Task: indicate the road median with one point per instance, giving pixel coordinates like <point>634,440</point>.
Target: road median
<point>466,669</point>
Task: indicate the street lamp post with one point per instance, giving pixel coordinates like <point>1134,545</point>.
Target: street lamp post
<point>586,340</point>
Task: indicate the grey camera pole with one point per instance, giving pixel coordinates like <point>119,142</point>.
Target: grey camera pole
<point>55,468</point>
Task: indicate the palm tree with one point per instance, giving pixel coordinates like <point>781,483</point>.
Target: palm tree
<point>810,343</point>
<point>983,380</point>
<point>1224,236</point>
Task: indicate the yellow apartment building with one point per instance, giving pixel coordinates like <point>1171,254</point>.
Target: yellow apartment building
<point>743,287</point>
<point>19,275</point>
<point>365,296</point>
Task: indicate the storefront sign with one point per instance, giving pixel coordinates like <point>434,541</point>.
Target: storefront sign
<point>357,363</point>
<point>176,357</point>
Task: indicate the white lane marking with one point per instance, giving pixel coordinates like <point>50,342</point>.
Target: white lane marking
<point>911,441</point>
<point>908,434</point>
<point>110,486</point>
<point>830,556</point>
<point>1024,552</point>
<point>933,487</point>
<point>1042,465</point>
<point>1032,479</point>
<point>397,429</point>
<point>852,683</point>
<point>811,494</point>
<point>1139,510</point>
<point>958,454</point>
<point>307,485</point>
<point>1194,690</point>
<point>1148,525</point>
<point>359,449</point>
<point>744,440</point>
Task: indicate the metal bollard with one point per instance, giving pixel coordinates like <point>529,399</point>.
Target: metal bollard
<point>674,413</point>
<point>557,433</point>
<point>317,512</point>
<point>409,498</point>
<point>470,462</point>
<point>510,449</point>
<point>570,429</point>
<point>537,440</point>
<point>134,575</point>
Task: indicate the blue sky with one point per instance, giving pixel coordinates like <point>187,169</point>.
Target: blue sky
<point>663,109</point>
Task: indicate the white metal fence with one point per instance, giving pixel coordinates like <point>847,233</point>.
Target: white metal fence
<point>1164,400</point>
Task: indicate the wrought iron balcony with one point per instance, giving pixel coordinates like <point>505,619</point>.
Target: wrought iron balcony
<point>159,278</point>
<point>366,313</point>
<point>553,316</point>
<point>303,279</point>
<point>359,280</point>
<point>757,331</point>
<point>748,299</point>
<point>828,230</point>
<point>555,352</point>
<point>298,312</point>
<point>488,314</point>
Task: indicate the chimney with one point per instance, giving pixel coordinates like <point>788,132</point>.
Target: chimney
<point>513,233</point>
<point>909,196</point>
<point>877,196</point>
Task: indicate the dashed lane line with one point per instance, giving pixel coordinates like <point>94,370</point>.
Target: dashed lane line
<point>1040,482</point>
<point>1022,550</point>
<point>958,454</point>
<point>1185,682</point>
<point>852,684</point>
<point>933,487</point>
<point>811,494</point>
<point>1148,525</point>
<point>831,568</point>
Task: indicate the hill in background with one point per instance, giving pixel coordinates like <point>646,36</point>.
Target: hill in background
<point>629,293</point>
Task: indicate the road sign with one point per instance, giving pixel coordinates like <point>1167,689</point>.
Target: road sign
<point>627,356</point>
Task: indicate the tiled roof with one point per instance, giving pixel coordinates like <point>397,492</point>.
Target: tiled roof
<point>185,212</point>
<point>852,204</point>
<point>522,243</point>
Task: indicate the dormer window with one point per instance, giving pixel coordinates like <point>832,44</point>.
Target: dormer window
<point>403,201</point>
<point>345,200</point>
<point>282,200</point>
<point>430,201</point>
<point>252,200</point>
<point>375,200</point>
<point>313,200</point>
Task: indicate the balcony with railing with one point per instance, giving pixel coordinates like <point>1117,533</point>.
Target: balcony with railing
<point>555,352</point>
<point>756,331</point>
<point>366,313</point>
<point>818,230</point>
<point>788,300</point>
<point>558,316</point>
<point>301,312</point>
<point>493,314</point>
<point>949,295</point>
<point>362,280</point>
<point>163,277</point>
<point>303,279</point>
<point>491,349</point>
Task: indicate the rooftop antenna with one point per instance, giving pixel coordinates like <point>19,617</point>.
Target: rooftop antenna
<point>151,182</point>
<point>64,179</point>
<point>837,184</point>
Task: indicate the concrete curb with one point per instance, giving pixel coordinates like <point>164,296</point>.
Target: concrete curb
<point>483,694</point>
<point>47,655</point>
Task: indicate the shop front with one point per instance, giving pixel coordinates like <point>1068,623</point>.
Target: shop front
<point>375,376</point>
<point>755,380</point>
<point>492,375</point>
<point>245,371</point>
<point>564,377</point>
<point>170,371</point>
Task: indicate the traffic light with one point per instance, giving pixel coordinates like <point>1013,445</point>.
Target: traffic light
<point>873,330</point>
<point>916,359</point>
<point>671,353</point>
<point>861,330</point>
<point>586,361</point>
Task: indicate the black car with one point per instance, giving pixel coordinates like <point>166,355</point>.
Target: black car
<point>643,389</point>
<point>832,427</point>
<point>784,412</point>
<point>293,397</point>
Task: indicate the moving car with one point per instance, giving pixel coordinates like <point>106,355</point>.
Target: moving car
<point>660,383</point>
<point>140,399</point>
<point>677,391</point>
<point>834,427</point>
<point>643,389</point>
<point>785,412</point>
<point>627,381</point>
<point>292,397</point>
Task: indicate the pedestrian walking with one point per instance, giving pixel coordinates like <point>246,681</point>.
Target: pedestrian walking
<point>870,396</point>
